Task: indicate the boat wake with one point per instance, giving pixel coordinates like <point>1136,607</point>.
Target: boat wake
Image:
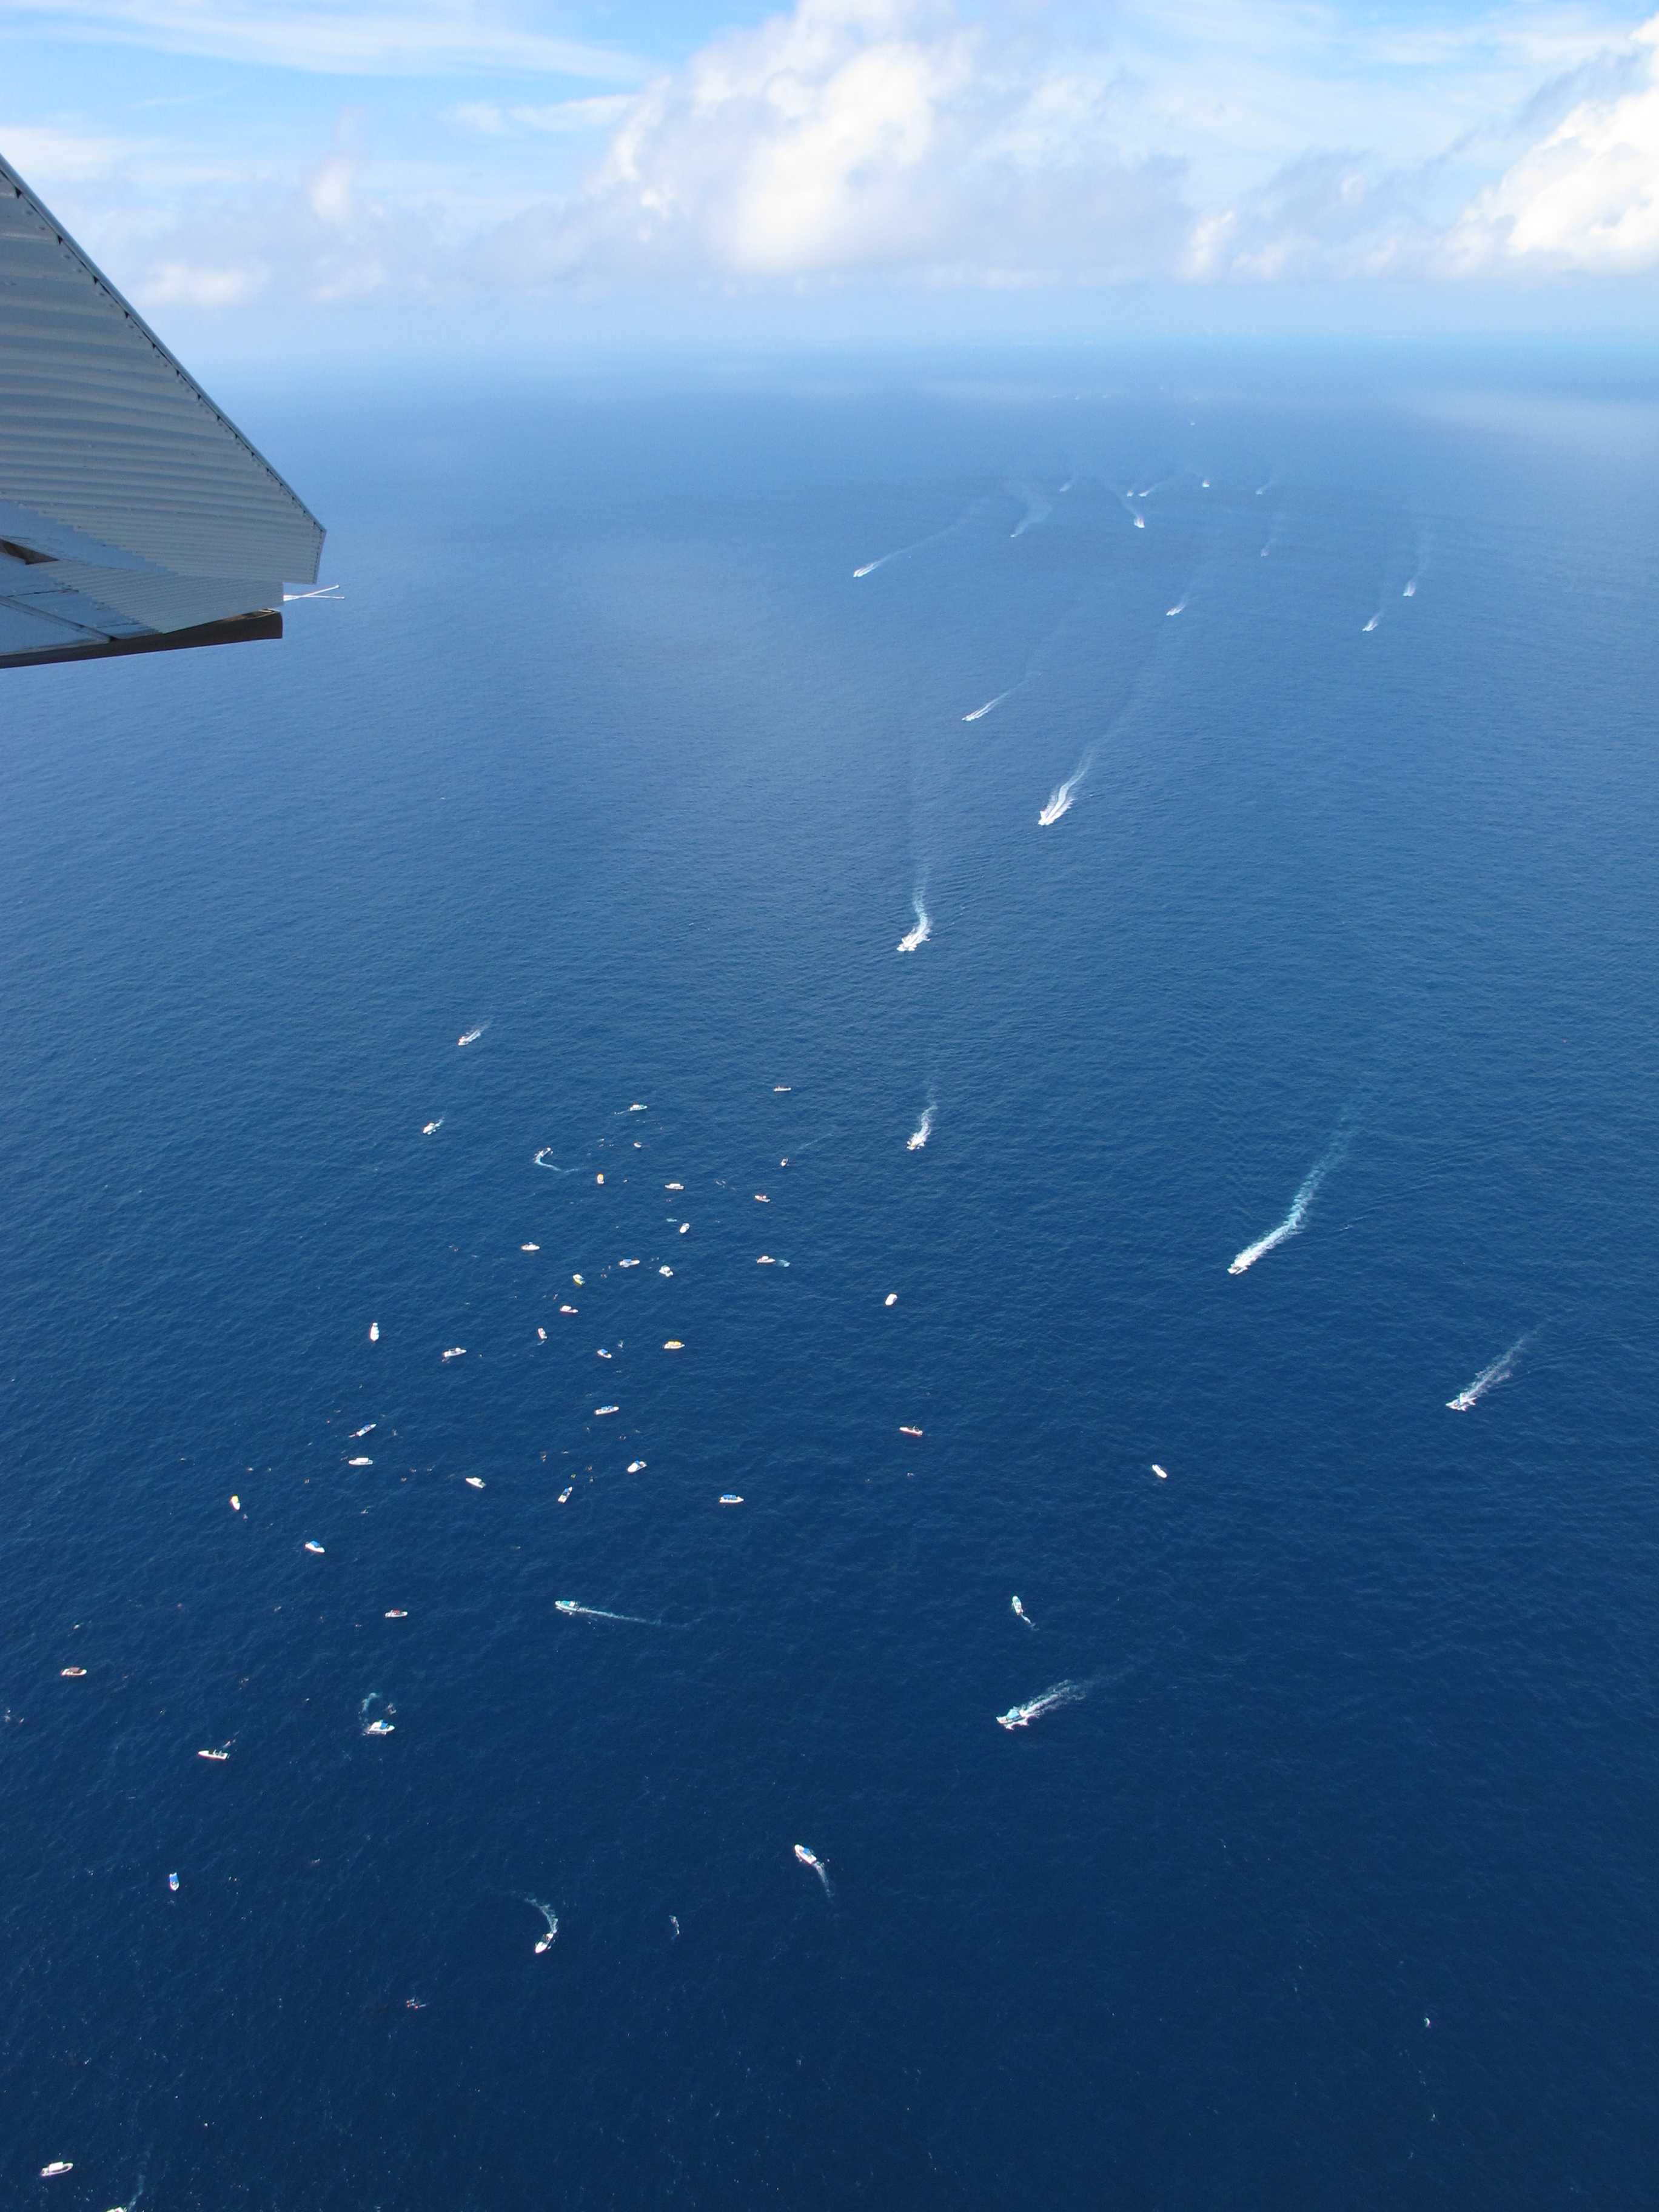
<point>1063,1694</point>
<point>596,1613</point>
<point>980,712</point>
<point>374,1728</point>
<point>542,1161</point>
<point>1488,1379</point>
<point>923,1129</point>
<point>1061,797</point>
<point>1294,1219</point>
<point>812,1859</point>
<point>1179,608</point>
<point>471,1037</point>
<point>914,938</point>
<point>545,1942</point>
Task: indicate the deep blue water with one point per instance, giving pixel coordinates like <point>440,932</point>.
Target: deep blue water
<point>1337,1886</point>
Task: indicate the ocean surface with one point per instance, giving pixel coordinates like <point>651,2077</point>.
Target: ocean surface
<point>643,730</point>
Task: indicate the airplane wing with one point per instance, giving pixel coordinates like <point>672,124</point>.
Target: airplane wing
<point>134,516</point>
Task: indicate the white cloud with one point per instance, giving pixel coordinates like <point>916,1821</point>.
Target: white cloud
<point>858,138</point>
<point>901,144</point>
<point>1586,197</point>
<point>420,37</point>
<point>603,112</point>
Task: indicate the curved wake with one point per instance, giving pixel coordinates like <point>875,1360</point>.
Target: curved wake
<point>542,1161</point>
<point>1061,797</point>
<point>1063,1694</point>
<point>471,1037</point>
<point>923,1129</point>
<point>1488,1379</point>
<point>1294,1219</point>
<point>545,1942</point>
<point>914,938</point>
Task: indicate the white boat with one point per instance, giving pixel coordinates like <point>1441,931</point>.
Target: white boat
<point>57,2165</point>
<point>213,1754</point>
<point>607,1409</point>
<point>1163,1473</point>
<point>904,1430</point>
<point>314,1547</point>
<point>730,1498</point>
<point>378,1728</point>
<point>360,1462</point>
<point>475,1482</point>
<point>636,1466</point>
<point>807,1857</point>
<point>565,1605</point>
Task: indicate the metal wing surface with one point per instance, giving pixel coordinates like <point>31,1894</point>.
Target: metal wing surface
<point>134,516</point>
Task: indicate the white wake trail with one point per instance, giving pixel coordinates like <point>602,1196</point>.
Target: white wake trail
<point>472,1035</point>
<point>596,1613</point>
<point>980,712</point>
<point>542,1161</point>
<point>1061,797</point>
<point>812,1859</point>
<point>923,1129</point>
<point>545,1942</point>
<point>914,938</point>
<point>1294,1219</point>
<point>1488,1379</point>
<point>1063,1694</point>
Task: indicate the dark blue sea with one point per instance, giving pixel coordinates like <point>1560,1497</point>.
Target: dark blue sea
<point>1329,1879</point>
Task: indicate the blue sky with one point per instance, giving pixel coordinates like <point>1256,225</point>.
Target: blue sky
<point>336,173</point>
